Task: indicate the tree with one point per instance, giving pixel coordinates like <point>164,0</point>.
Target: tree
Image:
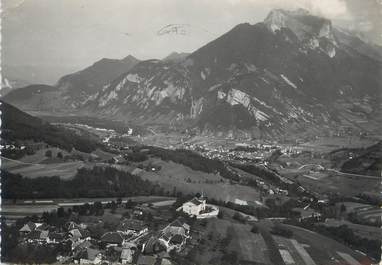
<point>60,212</point>
<point>255,229</point>
<point>220,215</point>
<point>113,207</point>
<point>130,204</point>
<point>48,153</point>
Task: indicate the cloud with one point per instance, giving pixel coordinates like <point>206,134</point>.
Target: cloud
<point>326,8</point>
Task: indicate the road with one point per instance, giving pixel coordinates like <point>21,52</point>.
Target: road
<point>339,172</point>
<point>355,175</point>
<point>27,207</point>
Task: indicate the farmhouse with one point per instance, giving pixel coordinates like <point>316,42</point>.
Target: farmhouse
<point>174,235</point>
<point>306,213</point>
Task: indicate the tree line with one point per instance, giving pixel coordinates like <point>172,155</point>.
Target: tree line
<point>91,183</point>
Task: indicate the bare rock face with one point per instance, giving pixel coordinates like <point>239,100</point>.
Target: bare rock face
<point>315,32</point>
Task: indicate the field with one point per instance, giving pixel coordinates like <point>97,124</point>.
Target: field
<point>327,144</point>
<point>251,246</point>
<point>22,209</point>
<point>64,170</point>
<point>237,238</point>
<point>333,182</point>
<point>365,231</point>
<point>38,165</point>
<point>309,248</point>
<point>187,181</point>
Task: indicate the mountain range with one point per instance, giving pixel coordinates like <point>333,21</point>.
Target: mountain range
<point>290,74</point>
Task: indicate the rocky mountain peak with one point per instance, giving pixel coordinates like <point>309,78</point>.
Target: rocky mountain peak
<point>315,32</point>
<point>300,21</point>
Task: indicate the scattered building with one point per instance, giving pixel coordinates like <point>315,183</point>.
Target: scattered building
<point>307,213</point>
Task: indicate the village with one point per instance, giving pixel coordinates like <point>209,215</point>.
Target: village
<point>144,235</point>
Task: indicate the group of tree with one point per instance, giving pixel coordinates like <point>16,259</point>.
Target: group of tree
<point>90,183</point>
<point>194,161</point>
<point>346,235</point>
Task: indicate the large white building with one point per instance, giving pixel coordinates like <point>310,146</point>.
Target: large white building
<point>195,206</point>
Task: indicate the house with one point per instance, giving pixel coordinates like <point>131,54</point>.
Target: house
<point>27,228</point>
<point>76,234</point>
<point>178,227</point>
<point>240,202</point>
<point>174,235</point>
<point>307,213</point>
<point>194,207</point>
<point>151,245</point>
<point>128,251</point>
<point>112,238</point>
<point>42,226</point>
<point>73,225</point>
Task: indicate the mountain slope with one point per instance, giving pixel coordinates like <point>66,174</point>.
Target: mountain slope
<point>18,126</point>
<point>175,57</point>
<point>78,86</point>
<point>71,90</point>
<point>292,73</point>
<point>366,162</point>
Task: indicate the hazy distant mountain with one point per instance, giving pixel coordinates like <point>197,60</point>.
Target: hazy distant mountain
<point>36,74</point>
<point>175,57</point>
<point>293,72</point>
<point>36,97</point>
<point>8,85</point>
<point>71,90</point>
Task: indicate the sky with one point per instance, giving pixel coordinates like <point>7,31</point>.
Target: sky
<point>50,38</point>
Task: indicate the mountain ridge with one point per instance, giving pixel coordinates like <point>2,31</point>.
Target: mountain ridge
<point>291,73</point>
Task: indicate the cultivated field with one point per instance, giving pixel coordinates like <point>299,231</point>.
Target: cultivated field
<point>331,182</point>
<point>321,249</point>
<point>64,170</point>
<point>365,231</point>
